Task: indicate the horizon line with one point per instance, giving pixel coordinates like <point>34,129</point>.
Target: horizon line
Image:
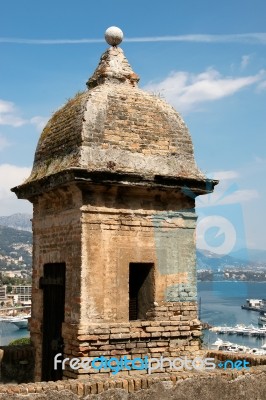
<point>249,38</point>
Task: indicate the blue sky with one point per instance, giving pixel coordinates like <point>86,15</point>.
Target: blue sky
<point>208,59</point>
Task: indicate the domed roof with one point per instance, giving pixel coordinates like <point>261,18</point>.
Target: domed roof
<point>116,127</point>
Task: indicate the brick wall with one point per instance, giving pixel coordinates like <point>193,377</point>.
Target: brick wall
<point>97,232</point>
<point>188,385</point>
<point>177,336</point>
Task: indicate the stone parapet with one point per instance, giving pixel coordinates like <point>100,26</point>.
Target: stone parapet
<point>171,337</point>
<point>183,382</point>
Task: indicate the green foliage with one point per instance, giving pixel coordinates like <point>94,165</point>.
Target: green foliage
<point>9,289</point>
<point>14,281</point>
<point>15,246</point>
<point>21,341</point>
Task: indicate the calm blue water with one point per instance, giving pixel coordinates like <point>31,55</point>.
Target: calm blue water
<point>221,306</point>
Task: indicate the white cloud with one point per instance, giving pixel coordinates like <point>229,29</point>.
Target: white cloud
<point>10,115</point>
<point>3,143</point>
<point>227,194</point>
<point>10,176</point>
<point>261,86</point>
<point>224,175</point>
<point>240,196</point>
<point>185,91</point>
<point>39,122</point>
<point>259,160</point>
<point>252,38</point>
<point>249,38</point>
<point>245,61</point>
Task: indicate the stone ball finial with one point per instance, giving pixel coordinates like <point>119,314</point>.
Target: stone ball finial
<point>113,36</point>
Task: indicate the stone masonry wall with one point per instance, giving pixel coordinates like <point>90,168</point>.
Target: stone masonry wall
<point>57,233</point>
<point>223,385</point>
<point>98,232</point>
<point>177,335</point>
<point>129,225</point>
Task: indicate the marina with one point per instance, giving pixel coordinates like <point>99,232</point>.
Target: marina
<point>221,307</point>
<point>239,329</point>
<point>229,347</point>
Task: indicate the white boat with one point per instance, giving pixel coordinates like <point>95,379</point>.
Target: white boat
<point>238,329</point>
<point>262,319</point>
<point>257,352</point>
<point>225,329</point>
<point>20,322</point>
<point>243,349</point>
<point>219,344</point>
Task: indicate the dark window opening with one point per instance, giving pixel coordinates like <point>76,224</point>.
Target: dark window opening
<point>141,289</point>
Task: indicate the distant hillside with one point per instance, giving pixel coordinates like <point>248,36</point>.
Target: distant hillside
<point>17,221</point>
<point>258,256</point>
<point>244,258</point>
<point>16,242</point>
<point>208,260</point>
<point>15,249</point>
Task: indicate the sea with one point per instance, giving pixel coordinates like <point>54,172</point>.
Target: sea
<point>219,305</point>
<point>9,332</point>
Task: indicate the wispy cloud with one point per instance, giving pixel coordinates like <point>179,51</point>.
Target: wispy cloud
<point>10,116</point>
<point>240,196</point>
<point>224,175</point>
<point>245,60</point>
<point>3,143</point>
<point>39,122</point>
<point>261,86</point>
<point>252,38</point>
<point>227,194</point>
<point>10,176</point>
<point>186,91</point>
<point>248,38</point>
<point>49,41</point>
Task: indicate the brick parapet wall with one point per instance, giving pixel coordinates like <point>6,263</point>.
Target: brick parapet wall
<point>177,336</point>
<point>174,311</point>
<point>251,359</point>
<point>129,383</point>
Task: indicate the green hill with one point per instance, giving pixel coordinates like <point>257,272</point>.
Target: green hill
<point>15,248</point>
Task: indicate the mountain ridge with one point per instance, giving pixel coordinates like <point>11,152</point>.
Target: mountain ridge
<point>242,258</point>
<point>18,221</point>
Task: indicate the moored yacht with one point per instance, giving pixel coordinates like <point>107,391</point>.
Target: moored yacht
<point>21,322</point>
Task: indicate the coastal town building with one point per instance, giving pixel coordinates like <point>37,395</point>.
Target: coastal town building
<point>113,188</point>
<point>21,294</point>
<point>3,293</point>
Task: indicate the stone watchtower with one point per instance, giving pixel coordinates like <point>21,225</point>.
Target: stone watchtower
<point>113,226</point>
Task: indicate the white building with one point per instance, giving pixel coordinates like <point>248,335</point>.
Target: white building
<point>3,293</point>
<point>22,294</point>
